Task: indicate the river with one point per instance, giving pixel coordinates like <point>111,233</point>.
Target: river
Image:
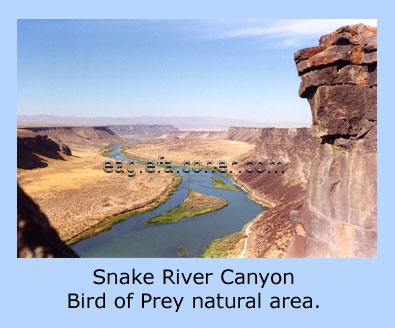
<point>132,238</point>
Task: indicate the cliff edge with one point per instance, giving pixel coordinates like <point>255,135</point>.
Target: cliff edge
<point>35,235</point>
<point>339,79</point>
<point>32,148</point>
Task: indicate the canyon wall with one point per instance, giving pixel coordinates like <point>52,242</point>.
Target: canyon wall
<point>290,145</point>
<point>30,146</point>
<point>246,134</point>
<point>339,79</point>
<point>284,187</point>
<point>78,135</point>
<point>142,130</point>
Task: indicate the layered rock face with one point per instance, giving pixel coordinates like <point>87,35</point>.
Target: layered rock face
<point>339,79</point>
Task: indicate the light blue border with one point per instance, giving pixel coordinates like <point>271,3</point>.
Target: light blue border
<point>350,292</point>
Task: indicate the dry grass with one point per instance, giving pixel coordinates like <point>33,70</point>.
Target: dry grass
<point>179,150</point>
<point>76,194</point>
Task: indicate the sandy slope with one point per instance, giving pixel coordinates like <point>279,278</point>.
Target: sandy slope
<point>76,194</point>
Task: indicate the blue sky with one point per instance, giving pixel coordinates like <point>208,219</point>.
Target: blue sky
<point>240,69</point>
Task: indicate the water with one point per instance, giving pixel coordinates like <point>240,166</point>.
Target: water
<point>132,238</point>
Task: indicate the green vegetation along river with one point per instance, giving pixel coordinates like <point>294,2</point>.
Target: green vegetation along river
<point>193,205</point>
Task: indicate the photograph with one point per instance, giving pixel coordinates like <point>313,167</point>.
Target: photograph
<point>196,138</point>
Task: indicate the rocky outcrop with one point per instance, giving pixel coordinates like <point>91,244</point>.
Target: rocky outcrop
<point>35,236</point>
<point>339,80</point>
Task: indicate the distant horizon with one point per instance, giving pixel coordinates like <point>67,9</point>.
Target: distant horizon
<point>229,69</point>
<point>180,122</point>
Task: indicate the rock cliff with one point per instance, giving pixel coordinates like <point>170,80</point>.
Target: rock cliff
<point>271,232</point>
<point>35,236</point>
<point>30,146</point>
<point>339,80</point>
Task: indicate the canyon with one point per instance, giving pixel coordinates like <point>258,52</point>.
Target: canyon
<point>325,205</point>
<point>322,190</point>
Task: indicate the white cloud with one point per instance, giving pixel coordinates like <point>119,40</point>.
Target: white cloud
<point>287,33</point>
<point>302,27</point>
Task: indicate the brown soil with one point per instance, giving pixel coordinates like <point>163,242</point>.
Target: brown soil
<point>76,194</point>
<point>270,233</point>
